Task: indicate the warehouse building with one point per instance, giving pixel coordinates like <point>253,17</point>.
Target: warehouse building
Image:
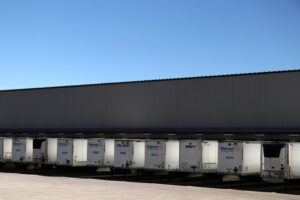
<point>243,106</point>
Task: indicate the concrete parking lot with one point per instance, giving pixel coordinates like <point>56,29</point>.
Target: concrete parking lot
<point>34,187</point>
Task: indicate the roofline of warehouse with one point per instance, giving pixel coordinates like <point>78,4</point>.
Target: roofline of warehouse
<point>154,80</point>
<point>265,130</point>
<point>266,135</point>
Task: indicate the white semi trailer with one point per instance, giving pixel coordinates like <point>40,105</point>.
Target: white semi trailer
<point>5,149</point>
<point>280,161</point>
<point>239,158</point>
<point>155,152</point>
<point>129,154</point>
<point>96,152</point>
<point>72,152</point>
<point>162,155</point>
<point>22,150</point>
<point>198,156</point>
<point>123,154</point>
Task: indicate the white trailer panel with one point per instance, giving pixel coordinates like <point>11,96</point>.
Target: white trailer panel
<point>155,152</point>
<point>293,170</point>
<point>5,149</point>
<point>79,152</point>
<point>123,153</point>
<point>210,156</point>
<point>172,155</point>
<point>96,152</point>
<point>72,152</point>
<point>138,160</point>
<point>240,158</point>
<point>22,150</point>
<point>109,152</point>
<point>251,158</point>
<point>51,151</point>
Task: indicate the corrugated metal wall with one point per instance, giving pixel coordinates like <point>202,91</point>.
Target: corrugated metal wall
<point>260,101</point>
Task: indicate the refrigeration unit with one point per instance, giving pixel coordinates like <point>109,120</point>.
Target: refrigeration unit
<point>239,158</point>
<point>280,161</point>
<point>96,152</point>
<point>45,150</point>
<point>39,151</point>
<point>22,150</point>
<point>198,156</point>
<point>155,152</point>
<point>72,152</point>
<point>5,149</point>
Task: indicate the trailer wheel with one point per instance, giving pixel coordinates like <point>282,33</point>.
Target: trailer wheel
<point>285,183</point>
<point>111,172</point>
<point>241,181</point>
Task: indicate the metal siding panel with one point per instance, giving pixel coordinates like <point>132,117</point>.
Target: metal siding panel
<point>237,102</point>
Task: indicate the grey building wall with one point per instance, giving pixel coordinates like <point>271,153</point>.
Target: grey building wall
<point>255,101</point>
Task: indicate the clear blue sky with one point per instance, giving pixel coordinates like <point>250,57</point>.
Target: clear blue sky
<point>63,42</point>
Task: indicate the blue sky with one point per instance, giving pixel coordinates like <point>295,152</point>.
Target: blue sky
<point>66,42</point>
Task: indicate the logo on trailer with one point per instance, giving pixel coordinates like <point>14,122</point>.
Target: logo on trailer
<point>190,146</point>
<point>62,144</point>
<point>152,147</point>
<point>227,149</point>
<point>122,145</point>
